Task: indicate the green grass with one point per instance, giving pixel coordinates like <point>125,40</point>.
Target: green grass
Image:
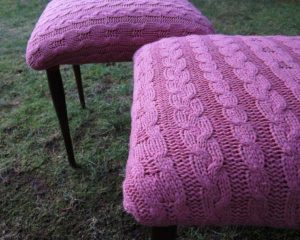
<point>41,196</point>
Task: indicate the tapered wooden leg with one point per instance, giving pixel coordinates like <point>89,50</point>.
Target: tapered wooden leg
<point>164,233</point>
<point>59,102</point>
<point>77,72</point>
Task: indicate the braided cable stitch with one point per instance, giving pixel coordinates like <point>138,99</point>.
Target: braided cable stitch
<point>196,131</point>
<point>242,130</point>
<point>286,130</point>
<point>152,168</point>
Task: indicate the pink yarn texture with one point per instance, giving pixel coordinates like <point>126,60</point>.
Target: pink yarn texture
<point>215,136</point>
<point>94,31</point>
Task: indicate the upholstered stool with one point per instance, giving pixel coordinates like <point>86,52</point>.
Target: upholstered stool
<point>92,31</point>
<point>215,136</point>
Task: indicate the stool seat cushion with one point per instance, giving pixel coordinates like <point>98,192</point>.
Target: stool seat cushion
<point>215,136</point>
<point>95,31</point>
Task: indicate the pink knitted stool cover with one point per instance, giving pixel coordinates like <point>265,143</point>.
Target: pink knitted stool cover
<point>216,132</point>
<point>92,31</point>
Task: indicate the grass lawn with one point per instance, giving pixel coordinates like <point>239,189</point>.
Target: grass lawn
<point>41,196</point>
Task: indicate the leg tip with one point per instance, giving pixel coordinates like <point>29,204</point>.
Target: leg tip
<point>75,165</point>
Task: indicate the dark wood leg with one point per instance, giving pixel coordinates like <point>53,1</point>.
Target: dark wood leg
<point>164,233</point>
<point>77,72</point>
<point>59,102</point>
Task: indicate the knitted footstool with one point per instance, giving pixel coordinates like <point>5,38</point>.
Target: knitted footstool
<point>215,136</point>
<point>96,31</point>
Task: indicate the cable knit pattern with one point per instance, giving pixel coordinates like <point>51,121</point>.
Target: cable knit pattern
<point>242,130</point>
<point>92,31</point>
<point>195,129</point>
<point>216,132</point>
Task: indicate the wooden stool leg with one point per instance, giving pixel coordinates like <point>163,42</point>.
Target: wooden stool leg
<point>77,72</point>
<point>164,233</point>
<point>59,102</point>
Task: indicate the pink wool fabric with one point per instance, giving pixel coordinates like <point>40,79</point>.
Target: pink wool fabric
<point>95,31</point>
<point>215,134</point>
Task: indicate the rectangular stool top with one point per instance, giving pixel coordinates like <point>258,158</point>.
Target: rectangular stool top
<point>93,31</point>
<point>215,136</point>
